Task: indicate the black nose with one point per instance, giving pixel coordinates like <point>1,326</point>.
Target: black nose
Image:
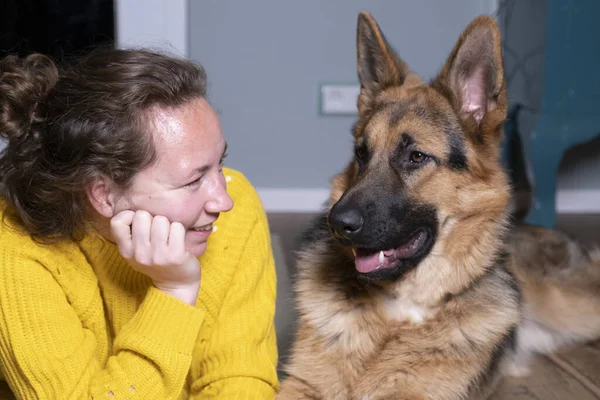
<point>346,222</point>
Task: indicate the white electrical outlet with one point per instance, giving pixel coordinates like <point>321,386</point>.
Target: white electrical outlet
<point>339,99</point>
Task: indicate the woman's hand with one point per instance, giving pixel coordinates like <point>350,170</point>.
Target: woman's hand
<point>155,247</point>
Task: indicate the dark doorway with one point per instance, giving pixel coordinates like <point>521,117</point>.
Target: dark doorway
<point>58,28</point>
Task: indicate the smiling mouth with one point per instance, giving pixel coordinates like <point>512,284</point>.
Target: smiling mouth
<point>367,261</point>
<point>203,228</point>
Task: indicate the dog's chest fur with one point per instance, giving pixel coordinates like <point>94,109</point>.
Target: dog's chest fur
<point>364,334</point>
<point>361,326</point>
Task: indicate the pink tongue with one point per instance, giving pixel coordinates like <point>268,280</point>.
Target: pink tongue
<point>366,262</point>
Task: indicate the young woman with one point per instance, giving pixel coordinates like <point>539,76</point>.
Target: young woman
<point>123,272</point>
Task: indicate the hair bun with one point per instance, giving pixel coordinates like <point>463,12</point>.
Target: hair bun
<point>24,85</point>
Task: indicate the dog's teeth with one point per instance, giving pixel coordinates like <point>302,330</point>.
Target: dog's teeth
<point>381,257</point>
<point>354,252</point>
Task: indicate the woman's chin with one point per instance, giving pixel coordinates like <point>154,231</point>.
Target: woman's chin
<point>196,242</point>
<point>196,248</point>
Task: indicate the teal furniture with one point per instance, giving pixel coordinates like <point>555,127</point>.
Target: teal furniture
<point>570,104</point>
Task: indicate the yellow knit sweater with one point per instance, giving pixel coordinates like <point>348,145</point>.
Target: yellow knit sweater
<point>76,322</point>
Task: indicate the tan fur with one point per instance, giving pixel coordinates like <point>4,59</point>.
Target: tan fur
<point>442,329</point>
<point>560,281</point>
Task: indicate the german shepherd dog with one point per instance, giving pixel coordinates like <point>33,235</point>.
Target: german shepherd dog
<point>414,284</point>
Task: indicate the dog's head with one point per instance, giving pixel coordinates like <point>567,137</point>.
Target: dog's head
<point>426,160</point>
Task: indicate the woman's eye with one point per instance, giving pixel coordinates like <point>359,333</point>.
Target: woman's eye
<point>194,182</point>
<point>416,157</point>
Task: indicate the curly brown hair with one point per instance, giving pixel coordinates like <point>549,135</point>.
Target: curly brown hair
<point>65,127</point>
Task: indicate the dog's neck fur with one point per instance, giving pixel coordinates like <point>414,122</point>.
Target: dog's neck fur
<point>448,270</point>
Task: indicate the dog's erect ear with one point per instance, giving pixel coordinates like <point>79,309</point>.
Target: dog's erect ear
<point>473,77</point>
<point>378,65</point>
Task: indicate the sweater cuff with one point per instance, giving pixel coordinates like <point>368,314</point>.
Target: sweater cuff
<point>167,321</point>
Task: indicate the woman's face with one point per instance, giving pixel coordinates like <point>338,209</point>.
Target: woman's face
<point>186,183</point>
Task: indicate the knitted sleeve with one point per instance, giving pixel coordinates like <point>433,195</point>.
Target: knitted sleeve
<point>46,352</point>
<point>241,356</point>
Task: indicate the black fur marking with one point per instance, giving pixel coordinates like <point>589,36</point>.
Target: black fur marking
<point>405,145</point>
<point>431,113</point>
<point>458,158</point>
<point>507,343</point>
<point>352,292</point>
<point>362,154</point>
<point>398,112</point>
<point>512,281</point>
<point>406,142</point>
<point>317,231</point>
<point>502,260</point>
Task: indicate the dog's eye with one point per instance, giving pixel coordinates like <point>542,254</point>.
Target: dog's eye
<point>416,157</point>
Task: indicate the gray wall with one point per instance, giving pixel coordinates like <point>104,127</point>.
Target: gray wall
<point>266,59</point>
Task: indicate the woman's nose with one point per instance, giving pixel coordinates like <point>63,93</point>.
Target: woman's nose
<point>219,201</point>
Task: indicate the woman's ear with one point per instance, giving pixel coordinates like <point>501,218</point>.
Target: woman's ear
<point>102,195</point>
